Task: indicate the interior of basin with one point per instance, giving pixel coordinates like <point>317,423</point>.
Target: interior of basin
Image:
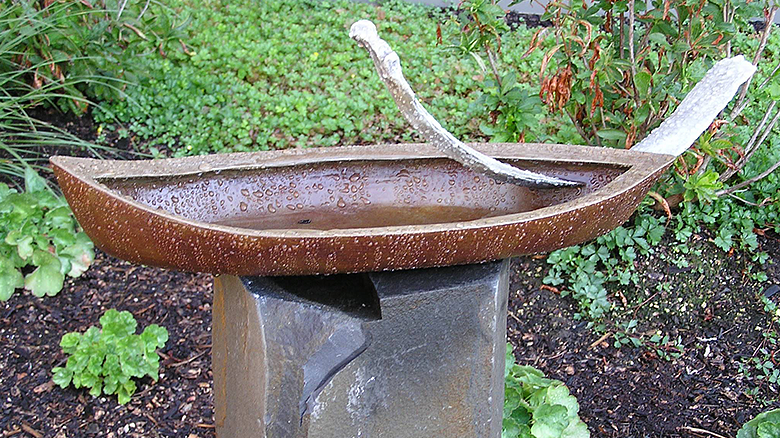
<point>355,194</point>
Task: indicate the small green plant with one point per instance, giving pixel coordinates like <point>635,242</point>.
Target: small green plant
<point>662,345</point>
<point>702,187</point>
<point>107,360</point>
<point>665,347</point>
<point>40,231</point>
<point>761,366</point>
<point>587,269</point>
<point>627,335</point>
<point>765,425</point>
<point>537,407</point>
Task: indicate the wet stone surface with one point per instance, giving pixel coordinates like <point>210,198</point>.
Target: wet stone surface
<point>312,357</point>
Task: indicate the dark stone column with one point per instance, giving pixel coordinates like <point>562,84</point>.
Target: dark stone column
<point>410,354</point>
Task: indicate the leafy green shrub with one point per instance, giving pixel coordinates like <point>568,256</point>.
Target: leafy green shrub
<point>62,54</point>
<point>512,107</point>
<point>512,111</point>
<point>39,231</point>
<point>615,69</point>
<point>106,360</point>
<point>765,425</point>
<point>536,407</point>
<point>618,79</point>
<point>663,345</point>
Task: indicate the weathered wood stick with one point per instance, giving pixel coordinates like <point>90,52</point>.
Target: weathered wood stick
<point>388,65</point>
<point>699,108</point>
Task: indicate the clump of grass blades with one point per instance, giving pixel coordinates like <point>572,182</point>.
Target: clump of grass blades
<point>25,85</point>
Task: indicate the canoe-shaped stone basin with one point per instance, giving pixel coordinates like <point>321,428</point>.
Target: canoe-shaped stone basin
<point>348,209</point>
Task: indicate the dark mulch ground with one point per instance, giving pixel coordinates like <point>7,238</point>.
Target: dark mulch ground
<point>179,404</point>
<point>632,392</point>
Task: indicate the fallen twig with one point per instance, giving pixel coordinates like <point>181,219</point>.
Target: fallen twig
<point>186,361</point>
<point>27,428</point>
<point>743,184</point>
<point>136,30</point>
<point>702,431</point>
<point>645,301</point>
<point>603,338</point>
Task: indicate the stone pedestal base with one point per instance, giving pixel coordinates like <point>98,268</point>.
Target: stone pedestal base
<point>412,354</point>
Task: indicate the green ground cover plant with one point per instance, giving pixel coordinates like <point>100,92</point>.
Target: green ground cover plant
<point>107,359</point>
<point>284,73</point>
<point>765,425</point>
<point>585,270</point>
<point>41,237</point>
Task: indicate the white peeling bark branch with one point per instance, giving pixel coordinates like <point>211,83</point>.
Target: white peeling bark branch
<point>388,65</point>
<point>702,104</point>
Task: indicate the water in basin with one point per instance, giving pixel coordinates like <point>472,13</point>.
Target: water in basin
<point>337,195</point>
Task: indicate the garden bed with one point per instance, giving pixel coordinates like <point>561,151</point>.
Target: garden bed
<point>625,392</point>
<point>688,350</point>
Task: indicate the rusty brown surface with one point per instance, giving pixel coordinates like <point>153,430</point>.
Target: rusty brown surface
<point>350,209</point>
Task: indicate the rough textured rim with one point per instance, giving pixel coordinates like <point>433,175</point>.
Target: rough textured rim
<point>640,164</point>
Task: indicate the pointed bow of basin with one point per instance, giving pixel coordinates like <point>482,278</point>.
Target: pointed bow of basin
<point>350,209</point>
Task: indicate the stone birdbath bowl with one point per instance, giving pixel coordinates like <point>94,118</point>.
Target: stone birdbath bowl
<point>413,353</point>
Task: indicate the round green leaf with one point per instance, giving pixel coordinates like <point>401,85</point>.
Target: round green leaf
<point>69,342</point>
<point>549,421</point>
<point>33,182</point>
<point>576,429</point>
<point>47,278</point>
<point>750,429</point>
<point>154,337</point>
<point>10,279</point>
<point>62,376</point>
<point>117,324</point>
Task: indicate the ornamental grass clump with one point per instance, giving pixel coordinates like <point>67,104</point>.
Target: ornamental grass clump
<point>107,360</point>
